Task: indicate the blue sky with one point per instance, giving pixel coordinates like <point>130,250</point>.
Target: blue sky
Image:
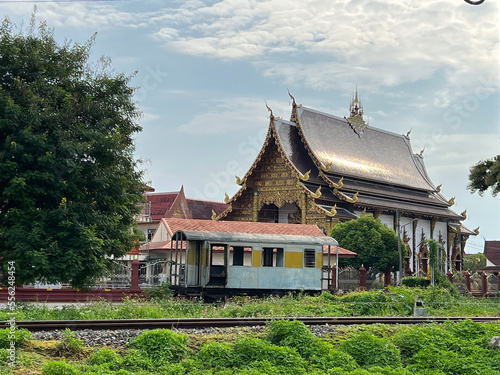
<point>205,68</point>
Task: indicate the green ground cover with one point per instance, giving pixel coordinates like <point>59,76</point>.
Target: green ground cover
<point>390,301</point>
<point>283,347</point>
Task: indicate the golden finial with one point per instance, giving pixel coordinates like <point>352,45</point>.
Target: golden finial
<point>291,96</point>
<point>438,188</point>
<point>333,211</point>
<point>214,214</point>
<point>226,198</point>
<point>305,176</point>
<point>407,136</point>
<point>363,213</point>
<point>451,202</point>
<point>476,230</point>
<point>355,197</point>
<point>464,214</point>
<point>421,154</point>
<point>270,110</point>
<point>326,167</point>
<point>339,184</point>
<point>317,194</point>
<point>239,181</point>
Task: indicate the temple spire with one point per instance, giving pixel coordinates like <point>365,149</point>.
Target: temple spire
<point>355,119</point>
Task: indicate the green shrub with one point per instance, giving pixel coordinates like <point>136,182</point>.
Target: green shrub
<point>161,345</point>
<point>59,368</point>
<point>69,345</point>
<point>368,350</point>
<point>20,337</point>
<point>216,354</point>
<point>252,352</point>
<point>415,282</point>
<point>106,356</point>
<point>135,360</point>
<point>162,291</point>
<point>294,334</point>
<point>365,303</point>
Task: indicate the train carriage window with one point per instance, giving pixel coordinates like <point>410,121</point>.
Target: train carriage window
<point>267,257</point>
<point>280,258</point>
<point>309,258</point>
<point>272,257</point>
<point>237,253</point>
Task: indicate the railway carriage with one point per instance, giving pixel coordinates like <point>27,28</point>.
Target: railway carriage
<point>227,258</point>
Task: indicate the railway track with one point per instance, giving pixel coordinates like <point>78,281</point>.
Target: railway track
<point>74,325</point>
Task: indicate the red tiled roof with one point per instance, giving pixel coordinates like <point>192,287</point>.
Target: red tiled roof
<point>492,251</point>
<point>160,203</point>
<point>242,227</point>
<point>202,210</point>
<point>344,253</point>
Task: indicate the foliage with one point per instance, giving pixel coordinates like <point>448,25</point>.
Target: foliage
<point>161,291</point>
<point>69,345</point>
<point>485,175</point>
<point>369,350</point>
<point>474,261</point>
<point>106,356</point>
<point>21,336</point>
<point>415,282</point>
<point>161,345</point>
<point>59,368</point>
<point>375,244</point>
<point>69,184</point>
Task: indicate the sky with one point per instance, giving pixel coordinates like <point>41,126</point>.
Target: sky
<point>206,68</point>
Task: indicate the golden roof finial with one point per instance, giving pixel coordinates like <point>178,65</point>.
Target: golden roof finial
<point>438,188</point>
<point>476,230</point>
<point>451,202</point>
<point>305,176</point>
<point>355,119</point>
<point>270,110</point>
<point>239,181</point>
<point>464,214</point>
<point>214,214</point>
<point>226,198</point>
<point>317,194</point>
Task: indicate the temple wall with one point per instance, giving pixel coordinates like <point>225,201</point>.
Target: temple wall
<point>387,220</point>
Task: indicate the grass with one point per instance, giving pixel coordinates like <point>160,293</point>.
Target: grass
<point>283,347</point>
<point>390,301</point>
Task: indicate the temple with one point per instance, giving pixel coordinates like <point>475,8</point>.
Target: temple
<point>321,169</point>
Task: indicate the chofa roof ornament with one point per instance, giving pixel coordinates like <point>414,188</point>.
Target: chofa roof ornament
<point>355,119</point>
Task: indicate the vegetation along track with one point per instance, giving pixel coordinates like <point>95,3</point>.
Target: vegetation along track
<point>47,325</point>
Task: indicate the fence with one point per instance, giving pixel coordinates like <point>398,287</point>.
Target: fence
<point>478,284</point>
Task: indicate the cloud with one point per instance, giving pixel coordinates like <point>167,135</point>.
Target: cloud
<point>232,115</point>
<point>326,43</point>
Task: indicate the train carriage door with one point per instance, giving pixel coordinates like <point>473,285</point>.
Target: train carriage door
<point>218,264</point>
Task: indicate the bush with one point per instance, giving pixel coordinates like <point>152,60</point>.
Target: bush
<point>161,345</point>
<point>216,354</point>
<point>106,356</point>
<point>415,282</point>
<point>20,337</point>
<point>368,350</point>
<point>162,291</point>
<point>294,334</point>
<point>59,368</point>
<point>69,345</point>
<point>135,360</point>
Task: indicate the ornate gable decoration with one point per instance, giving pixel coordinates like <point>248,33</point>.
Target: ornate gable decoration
<point>355,119</point>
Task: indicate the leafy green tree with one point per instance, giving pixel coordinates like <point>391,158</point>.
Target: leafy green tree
<point>485,175</point>
<point>375,244</point>
<point>472,262</point>
<point>69,182</point>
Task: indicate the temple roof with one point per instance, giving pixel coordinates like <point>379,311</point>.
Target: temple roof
<point>375,155</point>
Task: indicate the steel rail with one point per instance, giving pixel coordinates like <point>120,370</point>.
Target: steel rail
<point>49,325</point>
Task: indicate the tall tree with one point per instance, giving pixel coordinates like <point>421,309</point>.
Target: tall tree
<point>69,182</point>
<point>485,175</point>
<point>375,244</point>
<point>472,262</point>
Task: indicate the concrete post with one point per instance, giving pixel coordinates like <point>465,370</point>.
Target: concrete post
<point>135,276</point>
<point>485,284</point>
<point>362,278</point>
<point>467,280</point>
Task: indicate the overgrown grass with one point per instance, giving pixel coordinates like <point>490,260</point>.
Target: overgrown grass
<point>286,347</point>
<point>390,301</point>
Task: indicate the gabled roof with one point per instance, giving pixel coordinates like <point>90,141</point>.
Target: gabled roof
<point>492,251</point>
<point>160,203</point>
<point>375,155</point>
<point>201,209</point>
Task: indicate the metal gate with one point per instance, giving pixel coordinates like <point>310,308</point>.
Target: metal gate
<point>153,272</point>
<point>120,276</point>
<point>348,278</point>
